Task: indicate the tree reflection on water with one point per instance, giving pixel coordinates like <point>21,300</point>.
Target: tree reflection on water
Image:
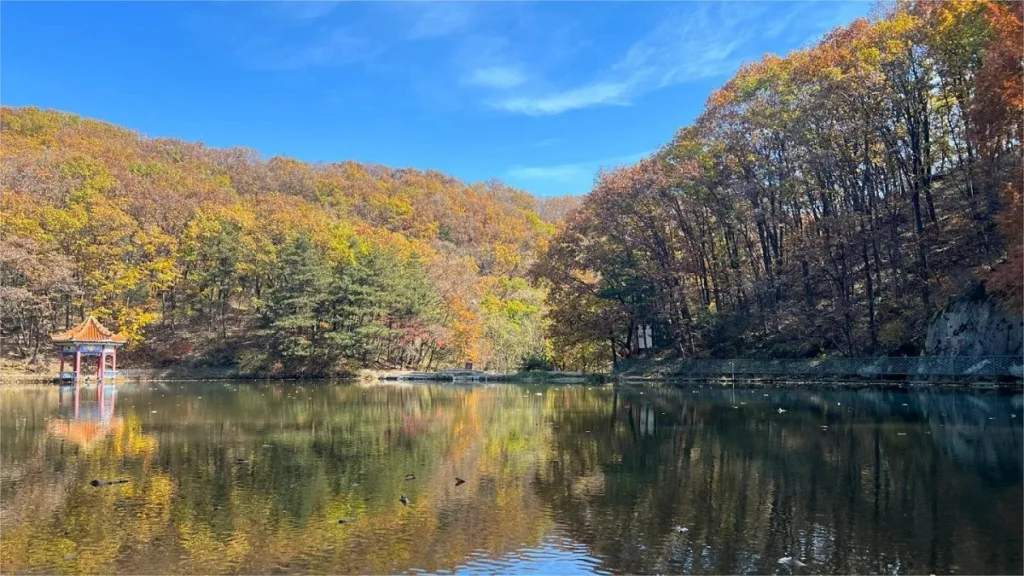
<point>249,478</point>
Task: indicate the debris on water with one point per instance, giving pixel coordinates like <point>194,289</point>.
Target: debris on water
<point>839,403</point>
<point>782,410</point>
<point>266,445</point>
<point>765,395</point>
<point>790,561</point>
<point>241,460</point>
<point>904,403</point>
<point>410,476</point>
<point>152,411</point>
<point>901,433</point>
<point>681,529</point>
<point>459,481</point>
<point>109,482</point>
<point>345,520</point>
<point>537,394</point>
<point>404,500</point>
<point>71,556</point>
<point>1013,415</point>
<point>735,406</point>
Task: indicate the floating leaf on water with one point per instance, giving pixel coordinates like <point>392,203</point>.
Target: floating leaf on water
<point>790,561</point>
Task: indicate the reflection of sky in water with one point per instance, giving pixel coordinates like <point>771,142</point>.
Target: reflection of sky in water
<point>553,556</point>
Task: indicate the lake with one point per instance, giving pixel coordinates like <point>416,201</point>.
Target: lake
<point>227,477</point>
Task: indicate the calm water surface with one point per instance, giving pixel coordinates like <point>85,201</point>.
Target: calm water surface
<point>251,478</point>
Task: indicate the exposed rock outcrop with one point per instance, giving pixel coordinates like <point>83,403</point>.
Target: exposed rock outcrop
<point>975,325</point>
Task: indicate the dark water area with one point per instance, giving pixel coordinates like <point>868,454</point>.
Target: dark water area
<point>253,478</point>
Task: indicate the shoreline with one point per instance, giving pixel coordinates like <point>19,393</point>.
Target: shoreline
<point>636,373</point>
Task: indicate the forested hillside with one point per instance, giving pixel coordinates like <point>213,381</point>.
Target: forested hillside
<point>220,257</point>
<point>827,202</point>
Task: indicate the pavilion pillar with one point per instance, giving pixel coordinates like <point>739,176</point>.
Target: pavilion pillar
<point>62,360</point>
<point>78,368</point>
<point>99,366</point>
<point>113,361</point>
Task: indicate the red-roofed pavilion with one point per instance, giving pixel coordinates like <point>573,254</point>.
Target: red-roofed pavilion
<point>90,338</point>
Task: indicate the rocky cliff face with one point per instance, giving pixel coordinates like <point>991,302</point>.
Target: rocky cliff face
<point>975,325</point>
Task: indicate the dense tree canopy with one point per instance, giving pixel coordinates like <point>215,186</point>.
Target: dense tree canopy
<point>219,256</point>
<point>825,202</point>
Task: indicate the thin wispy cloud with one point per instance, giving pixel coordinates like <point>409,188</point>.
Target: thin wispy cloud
<point>499,77</point>
<point>707,40</point>
<point>573,172</point>
<point>339,47</point>
<point>703,43</point>
<point>606,93</point>
<point>475,67</point>
<point>439,19</point>
<point>299,35</point>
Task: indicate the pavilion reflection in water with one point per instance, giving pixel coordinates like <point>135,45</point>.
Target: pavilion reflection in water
<point>85,413</point>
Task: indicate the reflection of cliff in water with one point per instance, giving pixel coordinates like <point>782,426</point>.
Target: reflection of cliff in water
<point>851,481</point>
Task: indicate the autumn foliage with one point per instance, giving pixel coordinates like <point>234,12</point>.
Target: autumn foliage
<point>222,257</point>
<point>827,202</point>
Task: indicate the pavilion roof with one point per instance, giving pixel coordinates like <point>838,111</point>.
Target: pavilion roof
<point>90,330</point>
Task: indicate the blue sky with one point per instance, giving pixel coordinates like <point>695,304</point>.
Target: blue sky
<point>539,95</point>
